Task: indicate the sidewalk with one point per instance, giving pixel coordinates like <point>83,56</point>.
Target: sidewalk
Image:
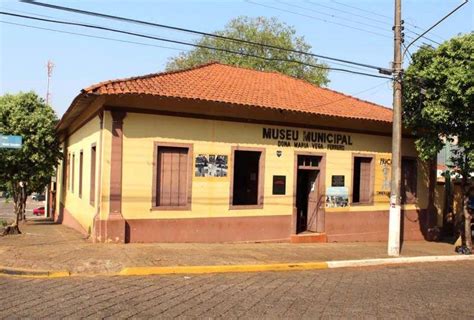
<point>47,246</point>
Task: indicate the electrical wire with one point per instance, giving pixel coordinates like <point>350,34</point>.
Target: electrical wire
<point>241,53</point>
<point>92,36</point>
<point>330,15</point>
<point>352,95</point>
<point>348,12</point>
<point>114,39</point>
<point>365,17</point>
<point>316,18</point>
<point>321,19</point>
<point>380,15</point>
<point>437,23</point>
<point>148,23</point>
<point>133,42</point>
<point>410,57</point>
<point>353,21</point>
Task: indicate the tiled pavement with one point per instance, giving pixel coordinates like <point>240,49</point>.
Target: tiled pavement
<point>420,291</point>
<point>47,246</point>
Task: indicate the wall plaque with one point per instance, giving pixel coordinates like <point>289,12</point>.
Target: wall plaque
<point>337,181</point>
<point>279,185</point>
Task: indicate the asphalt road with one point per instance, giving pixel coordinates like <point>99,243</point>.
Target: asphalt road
<point>6,208</point>
<point>421,291</point>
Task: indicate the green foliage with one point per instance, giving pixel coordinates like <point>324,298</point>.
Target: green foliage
<point>262,30</point>
<point>27,115</point>
<point>439,99</point>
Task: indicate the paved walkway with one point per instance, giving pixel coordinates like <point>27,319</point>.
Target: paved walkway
<point>47,246</point>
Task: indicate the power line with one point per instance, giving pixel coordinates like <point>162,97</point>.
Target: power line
<point>120,40</point>
<point>92,36</point>
<point>120,18</point>
<point>358,22</point>
<point>378,14</point>
<point>437,23</point>
<point>316,18</point>
<point>324,20</point>
<point>114,39</point>
<point>410,57</point>
<point>241,53</point>
<point>360,9</point>
<point>364,17</point>
<point>329,14</point>
<point>424,37</point>
<point>353,94</point>
<point>348,12</point>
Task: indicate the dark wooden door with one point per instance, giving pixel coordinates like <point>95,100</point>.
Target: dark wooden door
<point>365,178</point>
<point>172,176</point>
<point>313,199</point>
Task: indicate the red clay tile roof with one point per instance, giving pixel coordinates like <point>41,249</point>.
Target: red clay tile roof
<point>229,84</point>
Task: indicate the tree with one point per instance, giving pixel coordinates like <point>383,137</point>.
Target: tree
<point>29,168</point>
<point>262,30</point>
<point>439,107</point>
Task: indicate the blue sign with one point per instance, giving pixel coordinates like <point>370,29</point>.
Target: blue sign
<point>10,142</point>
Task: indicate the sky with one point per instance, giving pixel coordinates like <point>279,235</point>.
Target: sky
<point>347,29</point>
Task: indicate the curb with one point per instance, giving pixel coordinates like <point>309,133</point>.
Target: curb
<point>393,261</point>
<point>146,271</point>
<point>33,273</point>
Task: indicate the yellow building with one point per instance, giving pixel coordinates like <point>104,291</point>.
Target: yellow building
<point>218,153</point>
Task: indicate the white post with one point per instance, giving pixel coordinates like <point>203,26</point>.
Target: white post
<point>394,229</point>
<point>46,207</point>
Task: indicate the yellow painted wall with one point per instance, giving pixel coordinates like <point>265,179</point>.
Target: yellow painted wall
<point>210,196</point>
<point>60,193</point>
<point>80,207</point>
<point>105,156</point>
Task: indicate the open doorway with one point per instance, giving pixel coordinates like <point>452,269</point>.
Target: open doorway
<point>307,197</point>
<point>246,178</point>
<point>362,185</point>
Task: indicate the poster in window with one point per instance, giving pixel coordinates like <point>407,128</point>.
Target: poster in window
<point>211,165</point>
<point>279,185</point>
<point>337,197</point>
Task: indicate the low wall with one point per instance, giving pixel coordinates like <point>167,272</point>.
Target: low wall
<point>353,226</point>
<point>233,229</point>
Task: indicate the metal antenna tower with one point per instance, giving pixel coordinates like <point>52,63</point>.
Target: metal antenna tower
<point>49,66</point>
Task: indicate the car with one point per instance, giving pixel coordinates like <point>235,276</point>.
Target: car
<point>38,211</point>
<point>38,197</point>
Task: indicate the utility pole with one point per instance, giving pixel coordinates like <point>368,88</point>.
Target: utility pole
<point>395,198</point>
<point>49,66</point>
